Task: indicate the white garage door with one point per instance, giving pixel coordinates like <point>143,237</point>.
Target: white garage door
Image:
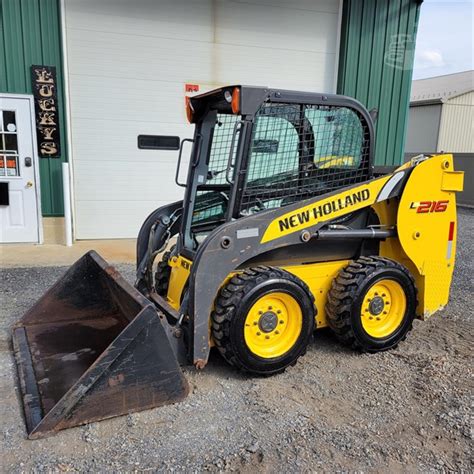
<point>128,65</point>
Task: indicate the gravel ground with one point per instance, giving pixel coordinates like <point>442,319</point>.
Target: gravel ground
<point>407,410</point>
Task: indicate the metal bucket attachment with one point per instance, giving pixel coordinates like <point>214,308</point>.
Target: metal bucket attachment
<point>92,348</point>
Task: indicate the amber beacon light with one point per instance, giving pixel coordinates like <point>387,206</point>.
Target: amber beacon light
<point>189,109</point>
<point>235,101</point>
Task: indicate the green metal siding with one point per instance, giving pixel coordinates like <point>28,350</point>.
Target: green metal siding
<point>369,29</point>
<point>30,34</point>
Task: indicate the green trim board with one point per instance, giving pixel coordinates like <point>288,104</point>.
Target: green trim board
<point>376,65</point>
<point>30,34</point>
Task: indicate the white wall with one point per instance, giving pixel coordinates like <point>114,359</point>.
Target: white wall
<point>423,128</point>
<point>456,132</point>
<point>128,63</point>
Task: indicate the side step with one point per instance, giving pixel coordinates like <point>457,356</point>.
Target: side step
<point>93,348</point>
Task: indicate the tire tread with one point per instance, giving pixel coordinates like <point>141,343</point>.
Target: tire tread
<point>345,290</point>
<point>163,273</point>
<point>228,299</point>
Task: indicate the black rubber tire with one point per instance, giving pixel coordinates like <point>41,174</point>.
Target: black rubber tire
<point>232,305</point>
<point>163,273</point>
<point>345,298</point>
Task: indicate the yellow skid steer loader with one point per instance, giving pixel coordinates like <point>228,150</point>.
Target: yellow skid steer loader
<point>285,227</point>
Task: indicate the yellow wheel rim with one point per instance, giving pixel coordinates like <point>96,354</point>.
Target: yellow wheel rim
<point>383,308</point>
<point>273,325</point>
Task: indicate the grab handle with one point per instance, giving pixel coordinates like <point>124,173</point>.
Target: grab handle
<point>232,152</point>
<point>178,167</point>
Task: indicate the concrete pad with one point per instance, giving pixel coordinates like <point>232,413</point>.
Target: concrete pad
<point>32,255</point>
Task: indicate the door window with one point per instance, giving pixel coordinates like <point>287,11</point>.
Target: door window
<point>274,148</point>
<point>211,204</point>
<point>273,165</point>
<point>338,137</point>
<point>9,162</point>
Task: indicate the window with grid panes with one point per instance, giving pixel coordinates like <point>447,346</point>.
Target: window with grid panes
<point>211,205</point>
<point>8,144</point>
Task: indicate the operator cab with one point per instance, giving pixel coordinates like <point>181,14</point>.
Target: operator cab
<point>257,149</point>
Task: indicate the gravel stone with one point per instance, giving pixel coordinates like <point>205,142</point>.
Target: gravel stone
<point>405,410</point>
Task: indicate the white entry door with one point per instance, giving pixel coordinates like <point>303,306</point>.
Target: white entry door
<point>19,210</point>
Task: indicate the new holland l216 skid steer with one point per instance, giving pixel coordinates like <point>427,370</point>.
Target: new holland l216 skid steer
<point>284,229</point>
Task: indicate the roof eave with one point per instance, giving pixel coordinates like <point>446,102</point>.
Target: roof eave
<point>420,102</point>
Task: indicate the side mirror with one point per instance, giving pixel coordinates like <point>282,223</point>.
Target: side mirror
<point>158,142</point>
<point>178,167</point>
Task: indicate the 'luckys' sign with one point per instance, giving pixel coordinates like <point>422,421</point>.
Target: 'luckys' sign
<point>46,110</point>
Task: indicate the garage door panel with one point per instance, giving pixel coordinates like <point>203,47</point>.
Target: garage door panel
<point>327,6</point>
<point>89,143</point>
<point>113,219</point>
<point>154,102</point>
<point>109,180</point>
<point>275,68</point>
<point>163,18</point>
<point>145,101</point>
<point>290,27</point>
<point>134,57</point>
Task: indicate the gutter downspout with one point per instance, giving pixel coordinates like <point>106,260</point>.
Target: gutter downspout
<point>68,170</point>
<point>338,46</point>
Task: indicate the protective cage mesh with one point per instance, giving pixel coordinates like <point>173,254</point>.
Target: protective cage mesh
<point>212,205</point>
<point>301,151</point>
<point>223,139</point>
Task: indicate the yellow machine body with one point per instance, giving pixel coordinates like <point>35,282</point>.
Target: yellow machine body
<point>283,229</point>
<point>425,218</point>
<point>180,269</point>
<point>426,222</point>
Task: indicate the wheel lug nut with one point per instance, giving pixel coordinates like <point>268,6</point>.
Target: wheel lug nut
<point>376,294</point>
<point>259,333</point>
<point>378,319</point>
<point>267,337</point>
<point>279,311</point>
<point>281,321</point>
<point>270,308</point>
<point>383,295</point>
<point>387,302</point>
<point>260,312</point>
<point>385,312</point>
<point>255,323</point>
<point>277,332</point>
<point>370,317</point>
